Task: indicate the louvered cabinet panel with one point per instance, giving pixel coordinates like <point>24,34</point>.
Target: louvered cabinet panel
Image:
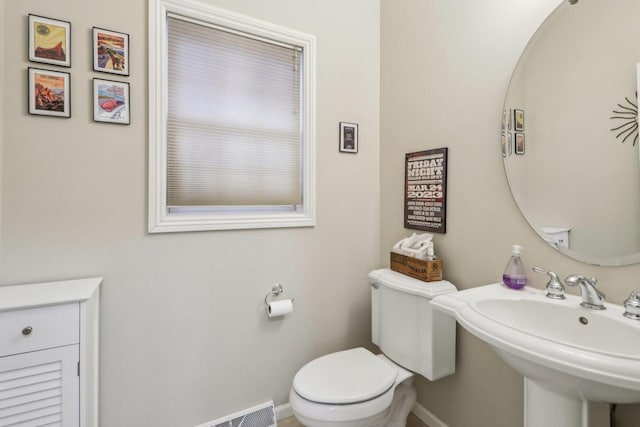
<point>40,388</point>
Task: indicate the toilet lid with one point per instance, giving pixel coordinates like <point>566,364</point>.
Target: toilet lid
<point>349,376</point>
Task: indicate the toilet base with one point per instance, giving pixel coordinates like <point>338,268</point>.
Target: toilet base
<point>374,420</point>
<point>403,400</point>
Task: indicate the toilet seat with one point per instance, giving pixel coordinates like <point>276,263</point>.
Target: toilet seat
<point>345,378</point>
<point>306,410</point>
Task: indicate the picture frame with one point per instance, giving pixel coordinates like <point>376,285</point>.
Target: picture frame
<point>425,185</point>
<point>519,143</point>
<point>111,102</point>
<point>49,41</point>
<point>110,51</point>
<point>348,137</point>
<point>518,120</point>
<point>49,93</point>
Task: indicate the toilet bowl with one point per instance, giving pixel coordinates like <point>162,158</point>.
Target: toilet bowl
<point>355,388</point>
<point>352,388</point>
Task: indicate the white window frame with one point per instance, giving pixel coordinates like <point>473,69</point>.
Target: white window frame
<point>160,218</point>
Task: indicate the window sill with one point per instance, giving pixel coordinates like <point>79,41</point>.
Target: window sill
<point>172,222</point>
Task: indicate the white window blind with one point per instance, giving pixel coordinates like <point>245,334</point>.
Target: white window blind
<point>234,121</point>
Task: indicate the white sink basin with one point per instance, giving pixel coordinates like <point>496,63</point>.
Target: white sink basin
<point>571,351</point>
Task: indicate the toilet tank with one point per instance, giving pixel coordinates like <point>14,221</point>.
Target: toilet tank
<point>407,328</point>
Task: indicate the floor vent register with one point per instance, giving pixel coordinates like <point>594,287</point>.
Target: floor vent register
<point>258,416</point>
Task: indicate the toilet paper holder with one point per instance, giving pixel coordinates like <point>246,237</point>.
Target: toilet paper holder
<point>275,291</point>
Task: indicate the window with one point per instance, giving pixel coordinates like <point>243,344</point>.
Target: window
<point>231,121</point>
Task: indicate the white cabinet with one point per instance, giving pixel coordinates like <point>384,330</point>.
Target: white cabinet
<point>49,354</point>
<point>36,388</point>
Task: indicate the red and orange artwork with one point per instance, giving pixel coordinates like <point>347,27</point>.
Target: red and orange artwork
<point>49,41</point>
<point>49,92</point>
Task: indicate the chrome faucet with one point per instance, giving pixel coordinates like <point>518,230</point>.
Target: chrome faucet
<point>554,287</point>
<point>632,305</point>
<point>591,297</point>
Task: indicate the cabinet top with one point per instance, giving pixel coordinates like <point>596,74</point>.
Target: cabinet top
<point>40,294</point>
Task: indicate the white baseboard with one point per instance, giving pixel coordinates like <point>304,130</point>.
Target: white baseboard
<point>285,411</point>
<point>427,417</point>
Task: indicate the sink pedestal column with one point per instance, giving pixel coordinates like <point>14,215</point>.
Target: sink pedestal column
<point>544,408</point>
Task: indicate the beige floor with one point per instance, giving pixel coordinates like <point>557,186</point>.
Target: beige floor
<point>412,421</point>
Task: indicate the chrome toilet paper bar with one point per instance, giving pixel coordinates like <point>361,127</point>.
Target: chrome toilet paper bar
<point>278,308</point>
<point>275,291</point>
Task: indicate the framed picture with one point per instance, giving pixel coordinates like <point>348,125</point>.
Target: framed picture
<point>518,120</point>
<point>110,52</point>
<point>111,102</point>
<point>425,185</point>
<point>519,143</point>
<point>348,137</point>
<point>49,41</point>
<point>49,93</point>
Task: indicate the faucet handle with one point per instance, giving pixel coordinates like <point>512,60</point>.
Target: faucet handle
<point>632,305</point>
<point>555,289</point>
<point>594,282</point>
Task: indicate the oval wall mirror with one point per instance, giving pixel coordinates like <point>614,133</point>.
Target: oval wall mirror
<point>575,180</point>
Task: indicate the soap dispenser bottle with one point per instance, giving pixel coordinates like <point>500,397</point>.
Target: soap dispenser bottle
<point>514,275</point>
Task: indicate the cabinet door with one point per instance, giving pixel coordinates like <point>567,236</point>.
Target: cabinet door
<point>40,388</point>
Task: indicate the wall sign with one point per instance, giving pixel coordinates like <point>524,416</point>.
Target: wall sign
<point>425,190</point>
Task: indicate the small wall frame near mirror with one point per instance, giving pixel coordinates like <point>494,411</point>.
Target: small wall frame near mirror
<point>519,142</point>
<point>576,172</point>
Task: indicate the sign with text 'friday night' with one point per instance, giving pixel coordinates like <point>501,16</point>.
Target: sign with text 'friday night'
<point>426,190</point>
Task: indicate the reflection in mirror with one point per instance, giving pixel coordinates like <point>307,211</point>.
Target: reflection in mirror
<point>576,183</point>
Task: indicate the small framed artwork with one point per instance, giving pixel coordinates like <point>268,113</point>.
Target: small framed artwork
<point>348,137</point>
<point>518,120</point>
<point>111,102</point>
<point>49,93</point>
<point>110,52</point>
<point>49,41</point>
<point>519,143</point>
<point>505,120</point>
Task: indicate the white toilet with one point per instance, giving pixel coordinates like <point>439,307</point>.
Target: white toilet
<point>355,388</point>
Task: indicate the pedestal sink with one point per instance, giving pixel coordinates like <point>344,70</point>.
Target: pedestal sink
<point>569,355</point>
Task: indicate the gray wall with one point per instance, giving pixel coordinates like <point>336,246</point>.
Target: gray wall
<point>184,334</point>
<point>445,70</point>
